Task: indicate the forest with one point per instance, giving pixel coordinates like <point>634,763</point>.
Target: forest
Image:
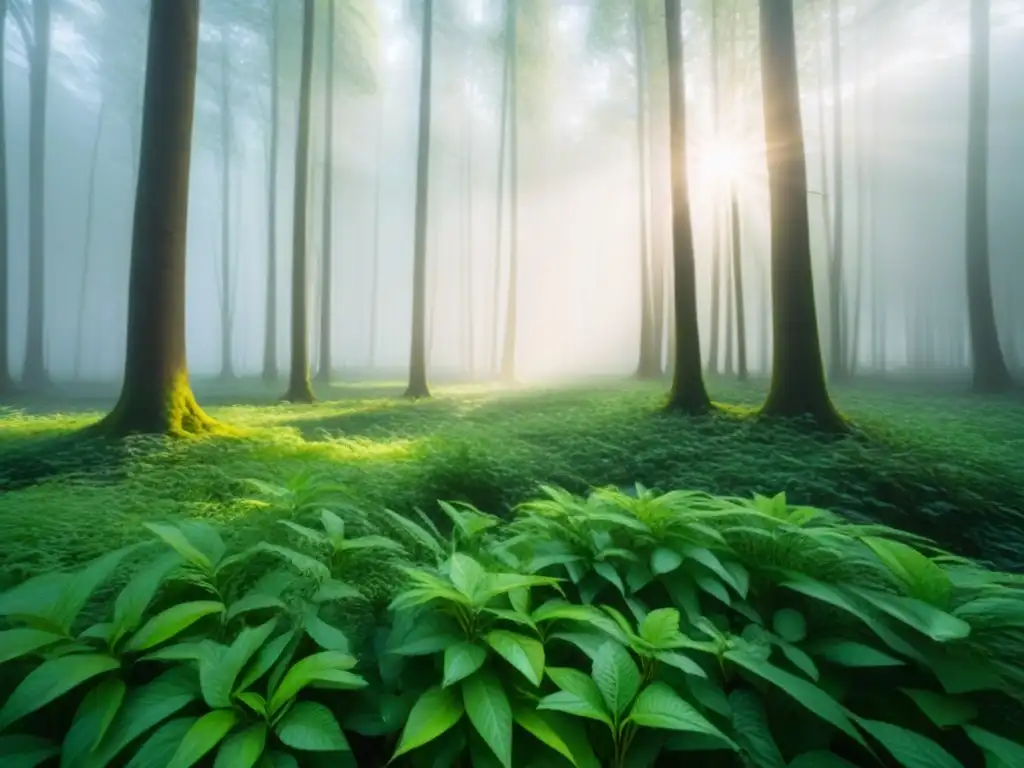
<point>511,383</point>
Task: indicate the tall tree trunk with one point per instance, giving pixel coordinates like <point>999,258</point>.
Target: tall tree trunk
<point>714,342</point>
<point>990,371</point>
<point>270,372</point>
<point>508,357</point>
<point>469,249</point>
<point>90,208</point>
<point>375,279</point>
<point>688,393</point>
<point>227,352</point>
<point>649,364</point>
<point>6,384</point>
<point>327,217</point>
<point>418,348</point>
<point>853,342</point>
<point>737,286</point>
<point>837,351</point>
<point>34,373</point>
<point>155,396</point>
<point>727,277</point>
<point>499,213</point>
<point>661,217</point>
<point>798,377</point>
<point>823,195</point>
<point>299,389</point>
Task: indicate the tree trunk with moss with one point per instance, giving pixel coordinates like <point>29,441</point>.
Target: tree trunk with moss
<point>299,389</point>
<point>418,348</point>
<point>798,377</point>
<point>156,397</point>
<point>327,221</point>
<point>990,371</point>
<point>6,384</point>
<point>688,393</point>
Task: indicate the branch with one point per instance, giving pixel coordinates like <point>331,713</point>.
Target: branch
<point>20,13</point>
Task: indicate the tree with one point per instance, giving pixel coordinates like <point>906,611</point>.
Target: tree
<point>837,350</point>
<point>508,355</point>
<point>299,389</point>
<point>990,371</point>
<point>270,372</point>
<point>6,384</point>
<point>418,348</point>
<point>36,38</point>
<point>90,208</point>
<point>798,376</point>
<point>375,279</point>
<point>324,372</point>
<point>156,397</point>
<point>227,370</point>
<point>688,393</point>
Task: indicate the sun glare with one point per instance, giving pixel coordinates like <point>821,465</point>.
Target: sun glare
<point>724,160</point>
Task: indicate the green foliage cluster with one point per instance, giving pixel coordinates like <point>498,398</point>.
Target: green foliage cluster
<point>617,629</point>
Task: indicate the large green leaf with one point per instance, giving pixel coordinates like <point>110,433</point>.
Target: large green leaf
<point>15,643</point>
<point>925,618</point>
<point>806,693</point>
<point>848,653</point>
<point>310,726</point>
<point>242,749</point>
<point>944,711</point>
<point>205,734</point>
<point>617,677</point>
<point>750,725</point>
<point>327,667</point>
<point>660,628</point>
<point>664,560</point>
<point>52,679</point>
<point>92,720</point>
<point>20,751</point>
<point>462,660</point>
<point>328,637</point>
<point>37,597</point>
<point>267,656</point>
<point>658,706</point>
<point>790,625</point>
<point>540,725</point>
<point>159,748</point>
<point>254,601</point>
<point>579,695</point>
<point>466,574</point>
<point>523,653</point>
<point>217,675</point>
<point>1010,753</point>
<point>923,578</point>
<point>145,707</point>
<point>911,750</point>
<point>82,584</point>
<point>135,597</point>
<point>435,712</point>
<point>490,713</point>
<point>178,541</point>
<point>171,622</point>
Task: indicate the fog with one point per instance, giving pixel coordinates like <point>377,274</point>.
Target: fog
<point>903,98</point>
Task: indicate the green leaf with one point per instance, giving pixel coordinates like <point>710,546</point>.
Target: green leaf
<point>243,749</point>
<point>539,725</point>
<point>820,759</point>
<point>996,747</point>
<point>658,706</point>
<point>15,643</point>
<point>82,584</point>
<point>944,711</point>
<point>134,599</point>
<point>809,695</point>
<point>421,535</point>
<point>145,707</point>
<point>26,751</point>
<point>681,662</point>
<point>912,750</point>
<point>332,590</point>
<point>176,540</point>
<point>923,578</point>
<point>159,748</point>
<point>328,667</point>
<point>847,653</point>
<point>51,680</point>
<point>617,677</point>
<point>665,560</point>
<point>579,695</point>
<point>520,600</point>
<point>217,675</point>
<point>799,659</point>
<point>254,601</point>
<point>660,628</point>
<point>790,625</point>
<point>171,622</point>
<point>333,525</point>
<point>328,637</point>
<point>253,701</point>
<point>92,719</point>
<point>205,734</point>
<point>925,618</point>
<point>466,574</point>
<point>462,660</point>
<point>523,653</point>
<point>607,572</point>
<point>435,712</point>
<point>559,610</point>
<point>304,564</point>
<point>709,560</point>
<point>311,727</point>
<point>750,724</point>
<point>490,713</point>
<point>267,656</point>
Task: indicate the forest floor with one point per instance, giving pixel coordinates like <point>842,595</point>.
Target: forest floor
<point>943,464</point>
